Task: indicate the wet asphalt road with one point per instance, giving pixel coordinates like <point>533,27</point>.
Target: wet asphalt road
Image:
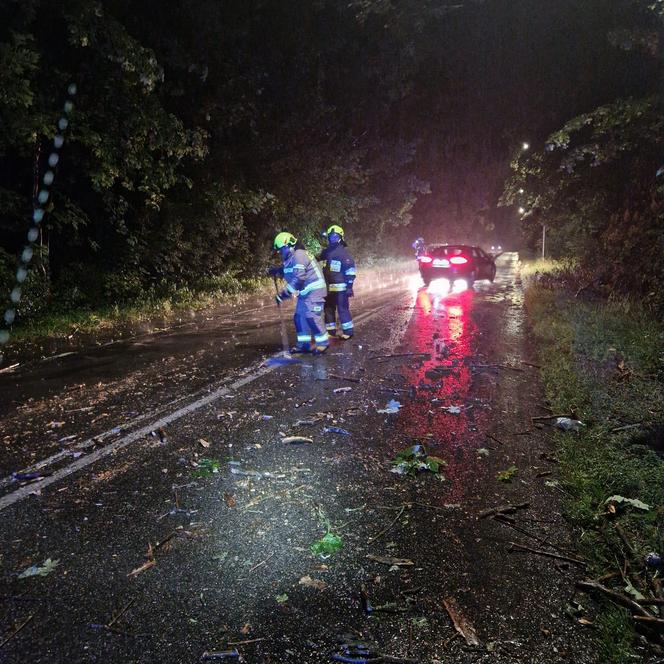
<point>225,559</point>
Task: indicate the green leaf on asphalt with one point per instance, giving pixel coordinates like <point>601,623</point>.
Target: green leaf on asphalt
<point>327,545</point>
<point>48,566</point>
<point>507,475</point>
<point>281,599</point>
<point>414,459</point>
<point>206,467</point>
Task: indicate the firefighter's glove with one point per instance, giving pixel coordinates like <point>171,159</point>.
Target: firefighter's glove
<point>349,290</point>
<point>274,271</point>
<point>280,297</point>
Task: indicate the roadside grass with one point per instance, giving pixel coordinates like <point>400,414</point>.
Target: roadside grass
<point>605,362</point>
<point>61,321</point>
<point>57,323</point>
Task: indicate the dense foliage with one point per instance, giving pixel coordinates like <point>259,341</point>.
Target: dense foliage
<point>201,128</point>
<point>598,184</point>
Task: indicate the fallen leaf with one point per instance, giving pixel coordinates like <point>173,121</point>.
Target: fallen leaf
<point>203,443</point>
<point>313,583</point>
<point>48,566</point>
<point>632,502</point>
<point>281,599</point>
<point>230,499</point>
<point>246,629</point>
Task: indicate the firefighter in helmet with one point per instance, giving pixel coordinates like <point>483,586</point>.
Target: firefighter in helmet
<point>304,279</point>
<point>339,271</point>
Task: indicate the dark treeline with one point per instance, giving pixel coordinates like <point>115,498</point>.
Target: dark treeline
<point>202,127</point>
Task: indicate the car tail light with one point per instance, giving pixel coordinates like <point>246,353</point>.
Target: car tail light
<point>425,259</point>
<point>458,260</point>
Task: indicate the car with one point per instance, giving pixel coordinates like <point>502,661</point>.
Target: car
<point>456,261</point>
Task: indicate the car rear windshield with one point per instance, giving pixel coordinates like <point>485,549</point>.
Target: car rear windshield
<point>450,250</point>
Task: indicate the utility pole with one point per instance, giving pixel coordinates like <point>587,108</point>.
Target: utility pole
<point>543,239</point>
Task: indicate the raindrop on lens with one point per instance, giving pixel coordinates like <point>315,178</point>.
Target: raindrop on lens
<point>10,314</point>
<point>21,275</point>
<point>33,233</point>
<point>15,295</point>
<point>58,141</point>
<point>68,107</point>
<point>53,159</point>
<point>26,256</point>
<point>48,178</point>
<point>72,89</point>
<point>4,337</point>
<point>43,196</point>
<point>37,216</point>
<point>62,124</point>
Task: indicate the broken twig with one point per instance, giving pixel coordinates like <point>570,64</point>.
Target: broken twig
<point>502,509</point>
<point>18,629</point>
<point>548,554</point>
<point>382,532</point>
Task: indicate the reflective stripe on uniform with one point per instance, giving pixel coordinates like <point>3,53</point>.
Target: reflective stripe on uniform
<point>290,288</point>
<point>350,271</point>
<point>322,338</point>
<point>298,266</point>
<point>319,283</point>
<point>331,327</point>
<point>336,288</point>
<point>303,337</point>
<point>288,270</point>
<point>347,326</point>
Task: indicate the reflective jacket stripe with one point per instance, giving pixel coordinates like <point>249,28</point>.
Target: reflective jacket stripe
<point>319,283</point>
<point>336,288</point>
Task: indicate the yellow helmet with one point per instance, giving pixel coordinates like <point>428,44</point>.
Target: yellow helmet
<point>284,240</point>
<point>335,229</point>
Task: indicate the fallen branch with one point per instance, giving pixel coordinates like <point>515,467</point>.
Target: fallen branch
<point>490,436</point>
<point>244,643</point>
<point>548,554</point>
<point>120,613</point>
<point>336,377</point>
<point>649,620</point>
<point>386,560</point>
<point>540,418</point>
<point>388,357</point>
<point>502,509</point>
<point>626,427</point>
<point>530,364</point>
<point>618,598</point>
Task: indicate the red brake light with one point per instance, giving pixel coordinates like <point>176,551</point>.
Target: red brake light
<point>425,259</point>
<point>458,260</point>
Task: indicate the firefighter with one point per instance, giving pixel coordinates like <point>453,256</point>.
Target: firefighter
<point>305,280</point>
<point>419,246</point>
<point>339,271</point>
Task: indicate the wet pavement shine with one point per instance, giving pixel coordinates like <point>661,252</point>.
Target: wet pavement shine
<point>164,557</point>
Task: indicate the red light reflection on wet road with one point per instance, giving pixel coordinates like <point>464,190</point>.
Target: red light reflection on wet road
<point>442,326</point>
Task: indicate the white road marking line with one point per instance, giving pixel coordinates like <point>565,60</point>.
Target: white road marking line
<point>82,462</point>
